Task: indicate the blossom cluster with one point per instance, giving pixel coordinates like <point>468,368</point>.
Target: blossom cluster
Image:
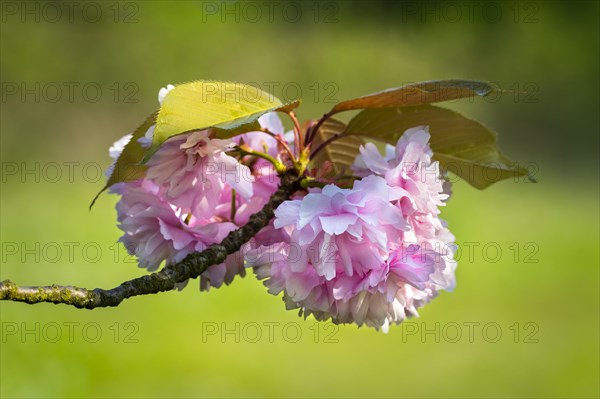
<point>372,253</point>
<point>183,204</point>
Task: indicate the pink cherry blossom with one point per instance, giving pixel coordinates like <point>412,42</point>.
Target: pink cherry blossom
<point>372,254</point>
<point>410,167</point>
<point>193,169</point>
<point>360,223</point>
<point>156,231</point>
<point>179,208</point>
<point>264,177</point>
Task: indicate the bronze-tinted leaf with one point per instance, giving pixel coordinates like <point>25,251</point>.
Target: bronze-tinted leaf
<point>417,94</point>
<point>461,145</point>
<point>340,152</point>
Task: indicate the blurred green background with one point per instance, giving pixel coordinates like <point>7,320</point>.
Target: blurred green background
<point>76,78</point>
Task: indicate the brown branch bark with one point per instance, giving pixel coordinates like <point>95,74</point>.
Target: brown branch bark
<point>191,267</point>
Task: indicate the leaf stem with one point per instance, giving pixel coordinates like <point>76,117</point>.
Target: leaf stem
<point>281,141</point>
<point>299,141</point>
<point>233,205</point>
<point>308,182</point>
<point>245,150</point>
<point>316,127</point>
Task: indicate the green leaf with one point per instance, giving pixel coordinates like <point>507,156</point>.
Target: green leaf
<point>129,165</point>
<point>417,94</point>
<point>228,109</point>
<point>254,125</point>
<point>340,152</point>
<point>463,146</point>
<point>203,104</point>
<point>245,128</point>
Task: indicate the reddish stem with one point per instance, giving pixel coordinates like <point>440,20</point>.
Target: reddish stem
<point>280,141</point>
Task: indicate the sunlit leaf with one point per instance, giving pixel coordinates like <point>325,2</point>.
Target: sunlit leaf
<point>463,146</point>
<point>245,128</point>
<point>128,166</point>
<point>204,104</point>
<point>417,94</point>
<point>254,125</point>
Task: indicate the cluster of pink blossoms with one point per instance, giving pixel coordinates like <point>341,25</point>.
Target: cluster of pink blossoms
<point>371,254</point>
<point>183,204</point>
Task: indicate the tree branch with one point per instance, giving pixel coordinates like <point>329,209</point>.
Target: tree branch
<point>191,266</point>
